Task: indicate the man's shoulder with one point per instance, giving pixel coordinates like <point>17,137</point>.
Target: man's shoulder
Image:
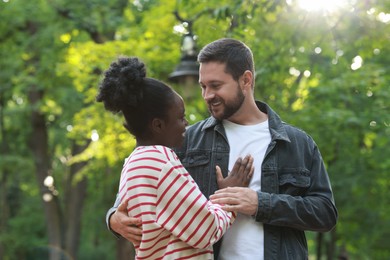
<point>203,124</point>
<point>297,134</point>
<point>292,128</point>
<point>197,135</point>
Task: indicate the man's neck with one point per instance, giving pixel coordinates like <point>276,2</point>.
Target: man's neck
<point>248,114</point>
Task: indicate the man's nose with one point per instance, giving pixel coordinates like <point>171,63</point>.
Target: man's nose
<point>208,94</point>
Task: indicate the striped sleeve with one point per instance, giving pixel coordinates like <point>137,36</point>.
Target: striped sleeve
<point>185,212</point>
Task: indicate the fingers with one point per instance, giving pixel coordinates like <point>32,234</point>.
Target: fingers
<point>131,230</point>
<point>245,171</point>
<point>218,173</point>
<point>131,222</point>
<point>228,190</point>
<point>225,197</point>
<point>236,166</point>
<point>132,234</point>
<point>248,172</point>
<point>241,170</point>
<point>123,217</point>
<point>135,232</point>
<point>240,165</point>
<point>122,207</point>
<point>240,175</point>
<point>128,227</point>
<point>239,199</point>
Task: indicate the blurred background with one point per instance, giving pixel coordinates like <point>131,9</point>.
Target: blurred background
<point>324,66</point>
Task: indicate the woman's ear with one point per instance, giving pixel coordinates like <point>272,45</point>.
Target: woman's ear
<point>157,125</point>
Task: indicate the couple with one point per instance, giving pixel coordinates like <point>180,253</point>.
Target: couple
<point>165,192</point>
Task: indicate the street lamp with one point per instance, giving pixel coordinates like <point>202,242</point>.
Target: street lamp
<point>186,73</point>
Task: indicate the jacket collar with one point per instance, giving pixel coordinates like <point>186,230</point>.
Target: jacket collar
<point>276,126</point>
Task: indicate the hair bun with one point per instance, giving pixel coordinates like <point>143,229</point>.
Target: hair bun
<point>123,84</point>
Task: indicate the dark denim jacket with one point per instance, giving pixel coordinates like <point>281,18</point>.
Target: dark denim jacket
<point>295,194</point>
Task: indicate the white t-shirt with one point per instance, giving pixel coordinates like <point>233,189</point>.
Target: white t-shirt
<point>245,238</point>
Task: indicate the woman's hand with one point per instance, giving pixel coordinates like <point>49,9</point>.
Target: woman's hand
<point>240,176</point>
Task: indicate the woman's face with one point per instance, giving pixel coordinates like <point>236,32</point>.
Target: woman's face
<point>175,124</point>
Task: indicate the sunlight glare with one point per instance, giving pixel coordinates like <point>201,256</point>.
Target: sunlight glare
<point>180,28</point>
<point>94,136</point>
<point>317,5</point>
<point>307,73</point>
<point>294,72</point>
<point>384,17</point>
<point>357,63</point>
<point>47,197</point>
<point>48,181</point>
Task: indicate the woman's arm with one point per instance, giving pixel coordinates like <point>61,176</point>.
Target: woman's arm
<point>185,212</point>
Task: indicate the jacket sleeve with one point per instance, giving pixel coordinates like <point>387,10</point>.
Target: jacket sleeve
<point>185,212</point>
<point>313,210</point>
<point>113,209</point>
<point>109,213</point>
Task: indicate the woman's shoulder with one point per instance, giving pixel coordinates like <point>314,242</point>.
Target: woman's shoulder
<point>157,151</point>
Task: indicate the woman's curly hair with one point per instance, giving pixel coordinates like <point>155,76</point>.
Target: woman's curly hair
<point>125,88</point>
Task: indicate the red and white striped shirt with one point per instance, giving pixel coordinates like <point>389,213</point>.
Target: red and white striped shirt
<point>178,221</point>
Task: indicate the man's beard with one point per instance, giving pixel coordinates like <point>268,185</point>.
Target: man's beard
<point>231,107</point>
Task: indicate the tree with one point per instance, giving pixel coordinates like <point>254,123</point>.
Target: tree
<point>323,71</point>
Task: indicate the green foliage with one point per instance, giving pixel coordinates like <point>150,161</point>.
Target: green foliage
<point>25,230</point>
<point>303,70</point>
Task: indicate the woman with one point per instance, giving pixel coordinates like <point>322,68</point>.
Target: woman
<point>177,220</point>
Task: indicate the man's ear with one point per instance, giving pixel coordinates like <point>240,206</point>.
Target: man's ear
<point>157,125</point>
<point>246,81</point>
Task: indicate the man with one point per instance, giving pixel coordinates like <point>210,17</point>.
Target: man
<point>289,192</point>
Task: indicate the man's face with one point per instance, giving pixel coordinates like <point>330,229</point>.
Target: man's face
<point>221,92</point>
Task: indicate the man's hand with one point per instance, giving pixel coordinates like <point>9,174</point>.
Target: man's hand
<point>238,199</point>
<point>127,227</point>
<point>240,176</point>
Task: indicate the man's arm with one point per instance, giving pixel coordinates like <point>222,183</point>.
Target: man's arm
<point>122,225</point>
<point>109,214</point>
<point>313,211</point>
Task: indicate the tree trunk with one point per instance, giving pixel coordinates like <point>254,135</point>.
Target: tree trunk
<point>125,250</point>
<point>4,208</point>
<point>4,212</point>
<point>331,248</point>
<point>320,237</point>
<point>74,202</point>
<point>39,148</point>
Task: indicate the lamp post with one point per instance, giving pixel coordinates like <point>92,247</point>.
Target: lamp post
<point>186,73</point>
